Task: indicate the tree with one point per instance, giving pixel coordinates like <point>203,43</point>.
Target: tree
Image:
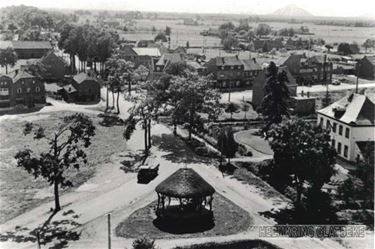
<point>304,153</point>
<point>245,108</point>
<point>119,71</point>
<point>144,243</point>
<point>65,150</point>
<point>191,95</point>
<point>369,43</point>
<point>12,27</point>
<point>168,31</point>
<point>7,57</point>
<point>231,108</point>
<point>187,45</point>
<point>328,47</point>
<point>274,104</point>
<point>177,68</point>
<point>229,42</point>
<point>263,29</point>
<point>227,26</point>
<point>226,143</point>
<point>160,37</point>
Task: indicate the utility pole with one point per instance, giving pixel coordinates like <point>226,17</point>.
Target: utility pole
<point>109,230</point>
<point>356,84</point>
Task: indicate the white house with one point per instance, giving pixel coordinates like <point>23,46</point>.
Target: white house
<point>351,120</point>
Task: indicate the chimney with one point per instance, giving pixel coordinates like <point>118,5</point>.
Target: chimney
<point>236,56</point>
<point>255,61</point>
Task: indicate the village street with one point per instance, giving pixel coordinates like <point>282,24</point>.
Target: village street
<point>113,191</point>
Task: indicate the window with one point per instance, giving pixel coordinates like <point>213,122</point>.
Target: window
<point>345,151</point>
<point>339,148</point>
<point>19,90</point>
<point>28,89</point>
<point>347,132</point>
<point>33,81</point>
<point>4,91</point>
<point>22,82</point>
<point>340,129</point>
<point>232,67</point>
<point>321,121</point>
<point>333,143</point>
<point>37,89</point>
<point>334,127</point>
<point>328,125</point>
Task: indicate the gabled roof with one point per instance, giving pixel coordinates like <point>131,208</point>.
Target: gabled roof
<point>226,61</point>
<point>20,74</point>
<point>50,55</point>
<point>370,58</point>
<point>355,109</point>
<point>169,58</point>
<point>185,183</point>
<point>31,45</point>
<point>250,65</point>
<point>81,77</point>
<point>194,64</point>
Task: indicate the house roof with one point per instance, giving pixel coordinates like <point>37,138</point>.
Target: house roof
<point>227,61</point>
<point>31,45</point>
<point>194,64</point>
<point>153,52</point>
<point>250,65</point>
<point>69,88</point>
<point>353,109</point>
<point>170,58</point>
<point>81,77</point>
<point>370,58</point>
<point>52,87</point>
<point>185,183</point>
<point>20,74</point>
<point>50,54</point>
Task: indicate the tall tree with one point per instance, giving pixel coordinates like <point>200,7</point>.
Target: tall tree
<point>274,104</point>
<point>7,58</point>
<point>65,150</point>
<point>369,43</point>
<point>303,152</point>
<point>226,143</point>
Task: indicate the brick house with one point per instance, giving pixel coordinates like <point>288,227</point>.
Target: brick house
<point>351,121</point>
<point>161,65</point>
<point>141,56</point>
<point>232,72</point>
<point>20,87</point>
<point>54,67</point>
<point>309,70</point>
<point>366,67</point>
<point>6,90</point>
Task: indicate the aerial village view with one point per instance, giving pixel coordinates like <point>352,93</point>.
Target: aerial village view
<point>187,124</point>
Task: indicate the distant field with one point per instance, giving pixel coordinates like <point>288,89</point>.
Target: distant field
<point>183,33</point>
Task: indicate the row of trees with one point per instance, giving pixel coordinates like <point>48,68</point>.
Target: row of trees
<point>88,43</point>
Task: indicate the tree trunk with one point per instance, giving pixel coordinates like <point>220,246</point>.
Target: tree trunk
<point>6,68</point>
<point>118,105</point>
<point>129,87</point>
<point>113,99</point>
<point>299,194</point>
<point>57,197</point>
<point>107,100</point>
<point>174,129</point>
<point>145,137</point>
<point>149,133</point>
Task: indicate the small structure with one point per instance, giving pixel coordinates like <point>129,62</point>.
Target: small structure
<point>189,196</point>
<point>28,49</point>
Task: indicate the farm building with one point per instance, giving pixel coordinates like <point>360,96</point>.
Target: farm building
<point>28,49</point>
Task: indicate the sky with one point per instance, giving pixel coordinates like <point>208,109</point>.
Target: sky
<point>342,8</point>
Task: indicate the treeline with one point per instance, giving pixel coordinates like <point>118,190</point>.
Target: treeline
<point>89,43</point>
<point>368,23</point>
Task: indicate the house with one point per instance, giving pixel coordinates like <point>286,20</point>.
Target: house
<point>141,56</point>
<point>232,71</point>
<point>196,66</point>
<point>309,70</point>
<point>21,87</point>
<point>266,44</point>
<point>84,87</point>
<point>365,67</point>
<point>260,81</point>
<point>6,90</point>
<point>161,65</point>
<point>28,49</point>
<point>351,121</point>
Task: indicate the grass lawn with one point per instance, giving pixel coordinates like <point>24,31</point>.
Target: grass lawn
<point>242,244</point>
<point>228,219</point>
<point>20,191</point>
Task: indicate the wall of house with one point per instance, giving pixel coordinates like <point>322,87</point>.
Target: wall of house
<point>55,68</point>
<point>345,141</point>
<point>366,69</point>
<point>88,90</point>
<point>5,91</point>
<point>28,91</point>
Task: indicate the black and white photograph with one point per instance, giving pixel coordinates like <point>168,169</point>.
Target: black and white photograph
<point>164,124</point>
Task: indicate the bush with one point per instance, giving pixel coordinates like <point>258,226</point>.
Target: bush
<point>242,150</point>
<point>144,243</point>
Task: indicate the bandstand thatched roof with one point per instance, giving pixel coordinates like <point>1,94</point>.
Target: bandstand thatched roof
<point>185,183</point>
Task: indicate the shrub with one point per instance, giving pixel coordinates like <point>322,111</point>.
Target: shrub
<point>144,243</point>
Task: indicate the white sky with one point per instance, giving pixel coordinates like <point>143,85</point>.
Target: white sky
<point>316,7</point>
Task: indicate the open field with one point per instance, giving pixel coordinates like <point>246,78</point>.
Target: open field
<point>20,191</point>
